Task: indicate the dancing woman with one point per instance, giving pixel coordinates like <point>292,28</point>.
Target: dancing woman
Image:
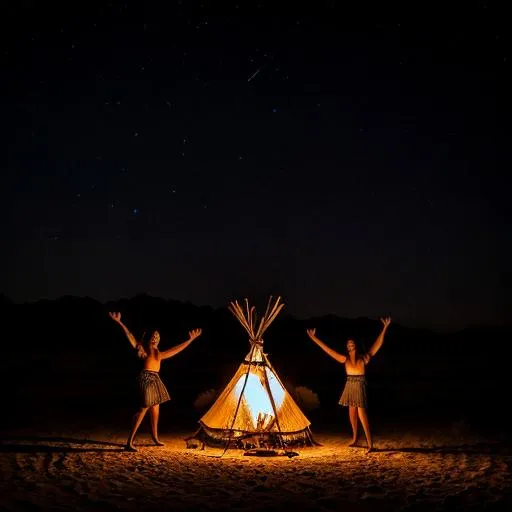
<point>152,391</point>
<point>354,394</point>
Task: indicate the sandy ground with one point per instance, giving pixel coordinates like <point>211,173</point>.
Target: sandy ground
<point>88,470</point>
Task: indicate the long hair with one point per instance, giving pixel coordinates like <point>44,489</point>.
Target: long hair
<point>143,346</point>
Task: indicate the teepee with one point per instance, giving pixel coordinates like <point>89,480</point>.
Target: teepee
<point>255,407</point>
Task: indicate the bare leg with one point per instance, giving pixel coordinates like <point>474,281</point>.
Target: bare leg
<point>352,414</point>
<point>137,420</point>
<point>154,411</point>
<point>363,416</point>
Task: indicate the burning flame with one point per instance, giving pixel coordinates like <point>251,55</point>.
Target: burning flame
<point>257,398</point>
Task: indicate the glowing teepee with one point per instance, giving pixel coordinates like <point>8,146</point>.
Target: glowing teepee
<point>255,404</point>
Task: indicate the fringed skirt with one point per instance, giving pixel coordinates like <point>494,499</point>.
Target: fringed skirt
<point>152,390</point>
<point>354,394</point>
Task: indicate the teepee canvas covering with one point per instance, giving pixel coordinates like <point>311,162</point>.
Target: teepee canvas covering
<point>255,403</point>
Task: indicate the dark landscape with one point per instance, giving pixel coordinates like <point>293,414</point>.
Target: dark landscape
<point>69,381</point>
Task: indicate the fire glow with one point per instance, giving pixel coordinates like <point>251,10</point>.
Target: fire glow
<point>256,397</point>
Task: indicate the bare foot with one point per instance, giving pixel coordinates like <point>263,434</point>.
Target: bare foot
<point>370,449</point>
<point>158,442</point>
<point>130,448</point>
<point>353,443</point>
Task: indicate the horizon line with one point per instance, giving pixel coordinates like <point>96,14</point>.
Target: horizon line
<point>7,299</point>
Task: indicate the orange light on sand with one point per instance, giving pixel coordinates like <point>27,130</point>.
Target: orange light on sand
<point>257,397</point>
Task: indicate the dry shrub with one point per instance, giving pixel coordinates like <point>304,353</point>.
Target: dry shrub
<point>306,399</point>
<point>205,399</point>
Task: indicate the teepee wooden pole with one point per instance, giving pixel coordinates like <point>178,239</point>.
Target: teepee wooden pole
<point>248,316</point>
<point>268,306</point>
<point>272,318</point>
<point>253,320</point>
<point>238,312</point>
<point>271,396</point>
<point>239,402</point>
<point>265,320</point>
<point>260,331</point>
<point>275,311</point>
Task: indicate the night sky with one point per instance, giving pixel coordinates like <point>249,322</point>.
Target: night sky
<point>353,167</point>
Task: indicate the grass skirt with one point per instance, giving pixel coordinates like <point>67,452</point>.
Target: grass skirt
<point>354,394</point>
<point>152,390</point>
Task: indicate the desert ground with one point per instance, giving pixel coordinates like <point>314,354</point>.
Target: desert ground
<point>84,467</point>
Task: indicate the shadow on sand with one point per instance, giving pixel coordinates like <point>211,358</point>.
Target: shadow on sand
<point>34,444</point>
<point>38,444</point>
<point>468,449</point>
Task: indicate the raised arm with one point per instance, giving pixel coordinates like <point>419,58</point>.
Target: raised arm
<point>339,357</point>
<point>117,318</point>
<point>166,354</point>
<point>380,338</point>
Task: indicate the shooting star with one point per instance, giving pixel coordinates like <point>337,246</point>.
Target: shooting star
<point>257,71</point>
